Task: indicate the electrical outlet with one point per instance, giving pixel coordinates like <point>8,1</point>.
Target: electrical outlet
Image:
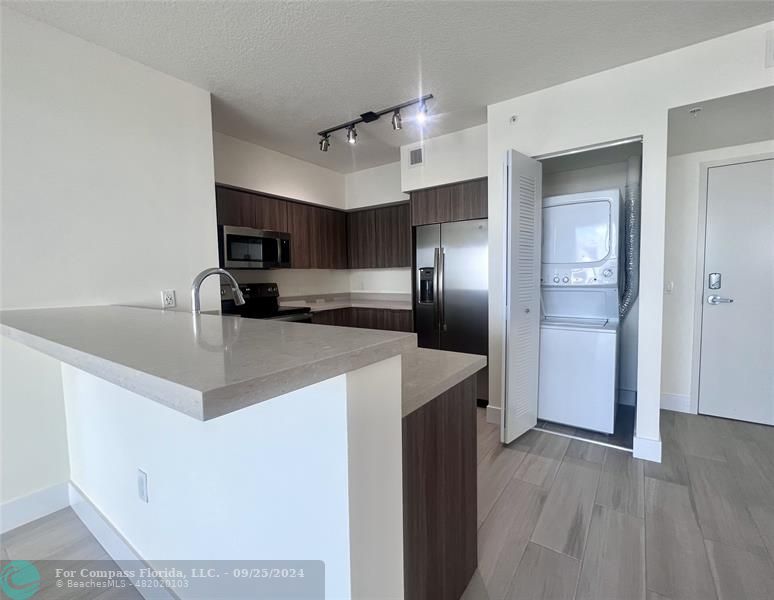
<point>168,299</point>
<point>142,485</point>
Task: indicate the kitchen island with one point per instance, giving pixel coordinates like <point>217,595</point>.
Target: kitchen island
<point>259,439</point>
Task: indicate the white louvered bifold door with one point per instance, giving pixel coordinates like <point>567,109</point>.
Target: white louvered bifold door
<point>523,185</point>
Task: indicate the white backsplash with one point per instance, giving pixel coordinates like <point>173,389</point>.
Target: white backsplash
<point>300,282</point>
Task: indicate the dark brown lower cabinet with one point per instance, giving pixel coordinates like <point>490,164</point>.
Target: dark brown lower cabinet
<point>368,318</point>
<point>439,495</point>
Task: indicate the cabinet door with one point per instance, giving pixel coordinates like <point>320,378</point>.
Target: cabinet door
<point>469,200</point>
<point>402,320</point>
<point>331,226</point>
<point>432,205</point>
<point>361,233</point>
<point>393,236</point>
<point>300,229</point>
<point>271,213</point>
<point>234,208</point>
<point>403,235</point>
<point>318,258</point>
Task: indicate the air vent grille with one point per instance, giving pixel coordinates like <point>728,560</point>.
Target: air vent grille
<point>416,157</point>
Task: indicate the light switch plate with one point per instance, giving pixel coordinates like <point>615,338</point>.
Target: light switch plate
<point>770,49</point>
<point>142,485</point>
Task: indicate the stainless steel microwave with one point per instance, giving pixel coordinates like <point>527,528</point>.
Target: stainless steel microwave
<point>247,248</point>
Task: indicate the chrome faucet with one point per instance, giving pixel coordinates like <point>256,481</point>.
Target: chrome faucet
<point>196,305</point>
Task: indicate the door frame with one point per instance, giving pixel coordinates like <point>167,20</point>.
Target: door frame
<point>698,292</point>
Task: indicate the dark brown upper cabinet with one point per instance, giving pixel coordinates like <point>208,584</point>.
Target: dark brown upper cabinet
<point>243,209</point>
<point>361,239</point>
<point>379,237</point>
<point>331,239</point>
<point>303,235</point>
<point>321,237</point>
<point>455,202</point>
<point>393,236</point>
<point>234,207</point>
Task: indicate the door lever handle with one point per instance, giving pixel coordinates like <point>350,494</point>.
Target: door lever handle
<point>719,300</point>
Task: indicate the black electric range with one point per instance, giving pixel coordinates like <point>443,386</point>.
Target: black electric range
<point>261,302</point>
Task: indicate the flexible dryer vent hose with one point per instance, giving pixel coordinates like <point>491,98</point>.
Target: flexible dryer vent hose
<point>631,238</point>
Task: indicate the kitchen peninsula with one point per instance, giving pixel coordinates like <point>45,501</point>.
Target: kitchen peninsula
<point>259,439</point>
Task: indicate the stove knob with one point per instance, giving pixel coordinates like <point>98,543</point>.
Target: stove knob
<point>565,279</point>
<point>556,280</point>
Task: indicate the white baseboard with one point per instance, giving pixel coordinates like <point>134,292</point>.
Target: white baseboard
<point>493,414</point>
<point>677,402</point>
<point>647,449</point>
<point>627,397</point>
<point>112,541</point>
<point>20,511</point>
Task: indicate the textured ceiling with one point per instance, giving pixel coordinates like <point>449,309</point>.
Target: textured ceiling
<point>281,71</point>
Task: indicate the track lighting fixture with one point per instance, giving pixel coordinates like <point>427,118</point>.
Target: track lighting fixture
<point>397,122</point>
<point>422,113</point>
<point>371,116</point>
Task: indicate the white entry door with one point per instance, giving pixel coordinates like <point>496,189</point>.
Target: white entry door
<point>737,338</point>
<point>524,198</point>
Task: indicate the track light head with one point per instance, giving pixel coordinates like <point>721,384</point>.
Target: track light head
<point>351,134</point>
<point>325,142</point>
<point>422,113</point>
<point>397,122</point>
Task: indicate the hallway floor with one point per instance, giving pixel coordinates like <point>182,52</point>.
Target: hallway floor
<point>562,519</point>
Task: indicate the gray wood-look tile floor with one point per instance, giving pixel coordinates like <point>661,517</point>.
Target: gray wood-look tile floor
<point>565,519</point>
<point>61,536</point>
<point>562,518</point>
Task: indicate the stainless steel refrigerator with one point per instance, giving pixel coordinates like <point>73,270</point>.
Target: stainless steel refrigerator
<point>451,286</point>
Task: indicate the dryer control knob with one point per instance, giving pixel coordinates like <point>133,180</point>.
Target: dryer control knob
<point>565,279</point>
<point>556,280</point>
<point>607,272</point>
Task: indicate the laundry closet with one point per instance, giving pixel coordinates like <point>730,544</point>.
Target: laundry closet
<point>573,249</point>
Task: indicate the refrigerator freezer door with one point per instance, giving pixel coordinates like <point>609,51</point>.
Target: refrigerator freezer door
<point>463,280</point>
<point>426,297</point>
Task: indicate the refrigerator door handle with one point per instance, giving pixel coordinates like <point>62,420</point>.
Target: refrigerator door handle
<point>437,287</point>
<point>441,291</point>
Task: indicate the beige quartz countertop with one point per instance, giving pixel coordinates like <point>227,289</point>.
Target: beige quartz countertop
<point>205,365</point>
<point>429,373</point>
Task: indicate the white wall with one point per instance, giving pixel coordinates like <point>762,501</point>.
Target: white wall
<point>379,185</point>
<point>107,197</point>
<point>456,156</point>
<point>680,262</point>
<point>626,101</point>
<point>236,487</point>
<point>254,167</point>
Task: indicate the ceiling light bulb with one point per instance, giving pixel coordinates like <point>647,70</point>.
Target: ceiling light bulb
<point>397,122</point>
<point>351,135</point>
<point>325,142</point>
<point>422,113</point>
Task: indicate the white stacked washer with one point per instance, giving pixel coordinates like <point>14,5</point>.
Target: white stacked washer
<point>581,283</point>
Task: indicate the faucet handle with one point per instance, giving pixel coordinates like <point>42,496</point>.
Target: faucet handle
<point>239,299</point>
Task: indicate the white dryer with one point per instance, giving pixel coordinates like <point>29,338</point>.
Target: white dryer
<point>580,298</point>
